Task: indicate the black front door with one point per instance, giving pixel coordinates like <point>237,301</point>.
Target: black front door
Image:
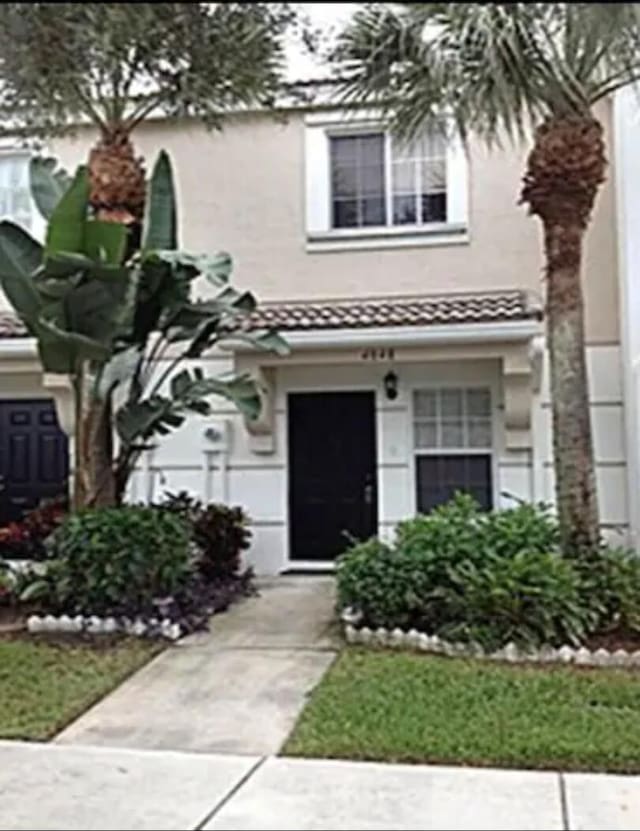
<point>332,479</point>
<point>34,461</point>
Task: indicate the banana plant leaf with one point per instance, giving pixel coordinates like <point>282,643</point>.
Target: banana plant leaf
<point>214,268</point>
<point>119,369</point>
<point>95,308</point>
<point>159,414</point>
<point>105,242</point>
<point>48,183</point>
<point>66,228</point>
<point>161,220</point>
<point>81,346</point>
<point>20,256</point>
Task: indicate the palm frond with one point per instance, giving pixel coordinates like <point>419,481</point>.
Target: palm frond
<point>493,68</point>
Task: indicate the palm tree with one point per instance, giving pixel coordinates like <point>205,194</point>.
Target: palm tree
<point>112,65</point>
<point>517,70</point>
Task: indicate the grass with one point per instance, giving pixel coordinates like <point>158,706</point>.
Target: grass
<point>44,685</point>
<point>411,708</point>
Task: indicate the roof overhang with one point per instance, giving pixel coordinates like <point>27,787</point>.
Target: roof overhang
<point>399,336</point>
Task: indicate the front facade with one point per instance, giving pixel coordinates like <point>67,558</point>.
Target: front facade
<point>410,288</point>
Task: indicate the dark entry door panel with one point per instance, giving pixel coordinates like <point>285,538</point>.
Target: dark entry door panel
<point>332,479</point>
<point>34,461</point>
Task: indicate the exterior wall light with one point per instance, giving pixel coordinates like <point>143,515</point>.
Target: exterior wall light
<point>391,385</point>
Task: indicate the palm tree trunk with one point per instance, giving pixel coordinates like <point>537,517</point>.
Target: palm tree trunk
<point>98,454</point>
<point>564,171</point>
<point>572,439</point>
<point>79,468</point>
<point>117,194</point>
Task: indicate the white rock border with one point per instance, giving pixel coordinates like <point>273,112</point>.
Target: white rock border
<point>422,642</point>
<point>94,625</point>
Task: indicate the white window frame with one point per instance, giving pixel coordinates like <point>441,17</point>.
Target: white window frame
<point>415,453</point>
<point>38,222</point>
<point>319,128</point>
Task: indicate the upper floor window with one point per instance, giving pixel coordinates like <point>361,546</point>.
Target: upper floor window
<point>378,180</point>
<point>16,203</point>
<point>366,188</point>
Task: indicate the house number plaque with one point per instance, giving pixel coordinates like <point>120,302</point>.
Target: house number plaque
<point>378,354</point>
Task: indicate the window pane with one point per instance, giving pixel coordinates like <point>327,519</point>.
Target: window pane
<point>21,201</point>
<point>439,477</point>
<point>424,403</point>
<point>451,403</point>
<point>478,402</point>
<point>344,180</point>
<point>452,434</point>
<point>15,198</point>
<point>403,150</point>
<point>434,176</point>
<point>479,432</point>
<point>403,177</point>
<point>434,207</point>
<point>404,210</point>
<point>357,179</point>
<point>344,149</point>
<point>432,146</point>
<point>425,434</point>
<point>372,212</point>
<point>345,213</point>
<point>372,180</point>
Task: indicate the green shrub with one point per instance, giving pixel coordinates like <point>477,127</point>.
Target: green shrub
<point>612,583</point>
<point>470,575</point>
<point>390,587</point>
<point>530,598</point>
<point>459,530</point>
<point>117,560</point>
<point>186,506</point>
<point>221,534</point>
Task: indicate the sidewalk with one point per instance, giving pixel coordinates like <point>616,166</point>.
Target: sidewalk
<point>45,786</point>
<point>236,689</point>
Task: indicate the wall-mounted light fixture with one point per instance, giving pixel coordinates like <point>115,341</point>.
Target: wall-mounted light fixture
<point>391,385</point>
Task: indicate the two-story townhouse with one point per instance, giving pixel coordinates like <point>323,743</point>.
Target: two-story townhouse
<point>410,288</point>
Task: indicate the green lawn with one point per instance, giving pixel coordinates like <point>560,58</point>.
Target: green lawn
<point>44,686</point>
<point>411,708</point>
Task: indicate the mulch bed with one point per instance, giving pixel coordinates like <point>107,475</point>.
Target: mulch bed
<point>612,641</point>
<point>192,609</point>
<point>14,618</point>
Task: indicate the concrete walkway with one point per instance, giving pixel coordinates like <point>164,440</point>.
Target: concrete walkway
<point>237,689</point>
<point>46,787</point>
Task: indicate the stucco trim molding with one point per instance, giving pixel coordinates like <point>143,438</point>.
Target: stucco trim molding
<point>517,345</point>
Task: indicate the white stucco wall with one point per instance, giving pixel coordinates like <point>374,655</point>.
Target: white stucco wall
<point>627,167</point>
<point>259,482</point>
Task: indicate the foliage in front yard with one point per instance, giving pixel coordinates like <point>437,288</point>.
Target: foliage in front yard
<point>411,708</point>
<point>117,560</point>
<point>178,561</point>
<point>44,686</point>
<point>220,533</point>
<point>26,539</point>
<point>489,577</point>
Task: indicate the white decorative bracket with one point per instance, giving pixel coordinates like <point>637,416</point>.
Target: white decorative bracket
<point>61,390</point>
<point>262,429</point>
<point>522,372</point>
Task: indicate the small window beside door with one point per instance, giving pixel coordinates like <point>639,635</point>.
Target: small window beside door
<point>453,445</point>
